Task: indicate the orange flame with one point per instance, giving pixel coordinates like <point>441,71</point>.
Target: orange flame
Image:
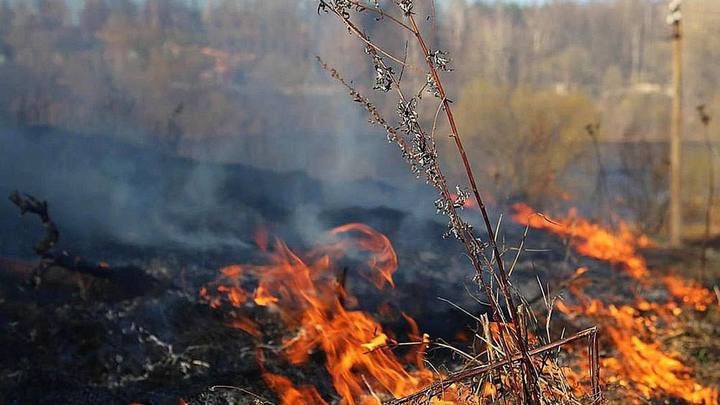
<point>591,239</point>
<point>309,300</point>
<point>289,394</point>
<point>640,363</point>
<point>263,297</point>
<point>382,260</point>
<point>690,293</point>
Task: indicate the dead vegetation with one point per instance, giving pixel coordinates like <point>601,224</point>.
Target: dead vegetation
<point>509,370</point>
<point>519,352</point>
<point>521,372</point>
<point>127,281</point>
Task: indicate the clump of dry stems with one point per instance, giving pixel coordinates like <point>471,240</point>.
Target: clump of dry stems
<point>518,372</point>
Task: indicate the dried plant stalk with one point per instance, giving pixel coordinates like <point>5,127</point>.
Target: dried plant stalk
<point>419,149</point>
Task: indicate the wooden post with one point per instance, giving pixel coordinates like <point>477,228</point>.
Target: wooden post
<point>674,19</point>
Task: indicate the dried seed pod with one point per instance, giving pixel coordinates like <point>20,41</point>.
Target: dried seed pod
<point>440,60</point>
<point>406,6</point>
<point>383,74</point>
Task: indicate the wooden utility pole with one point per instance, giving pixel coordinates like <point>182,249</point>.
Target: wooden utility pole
<point>674,19</point>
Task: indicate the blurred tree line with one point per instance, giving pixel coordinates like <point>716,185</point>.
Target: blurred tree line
<point>533,77</point>
<point>161,67</point>
<point>529,77</point>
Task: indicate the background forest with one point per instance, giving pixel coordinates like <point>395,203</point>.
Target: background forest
<point>236,81</point>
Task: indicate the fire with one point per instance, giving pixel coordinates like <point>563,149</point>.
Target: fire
<point>690,293</point>
<point>309,296</point>
<point>640,363</point>
<point>289,394</point>
<point>379,341</point>
<point>592,240</point>
<point>263,297</point>
<point>311,303</point>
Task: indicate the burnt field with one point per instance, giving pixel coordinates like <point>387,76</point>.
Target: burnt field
<point>350,202</point>
<point>135,329</point>
<point>123,317</point>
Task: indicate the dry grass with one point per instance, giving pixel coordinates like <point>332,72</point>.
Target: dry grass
<point>514,367</point>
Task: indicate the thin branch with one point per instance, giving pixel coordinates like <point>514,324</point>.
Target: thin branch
<point>435,389</point>
<point>504,282</point>
<point>382,13</point>
<point>352,27</point>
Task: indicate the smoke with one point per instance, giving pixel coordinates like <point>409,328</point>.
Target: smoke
<point>100,190</point>
<point>285,146</point>
<point>128,203</point>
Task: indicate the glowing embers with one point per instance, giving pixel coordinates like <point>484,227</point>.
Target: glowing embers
<point>312,305</point>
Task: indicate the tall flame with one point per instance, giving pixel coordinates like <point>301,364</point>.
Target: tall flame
<point>640,364</point>
<point>310,301</point>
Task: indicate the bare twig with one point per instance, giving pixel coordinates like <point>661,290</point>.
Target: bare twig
<point>436,388</point>
<point>263,400</point>
<point>420,151</point>
<point>503,277</point>
<point>601,188</point>
<point>28,203</point>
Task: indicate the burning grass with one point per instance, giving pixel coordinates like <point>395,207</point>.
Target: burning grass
<point>635,358</point>
<point>366,364</point>
<point>311,303</point>
<point>523,371</point>
<point>362,359</point>
<point>509,361</point>
<point>369,365</point>
<point>512,357</point>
